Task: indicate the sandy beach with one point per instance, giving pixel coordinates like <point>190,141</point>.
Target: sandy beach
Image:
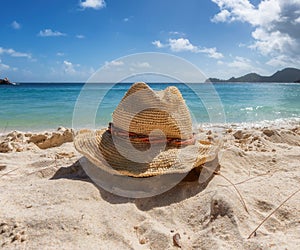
<point>47,201</point>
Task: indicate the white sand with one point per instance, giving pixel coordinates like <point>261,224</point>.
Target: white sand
<point>47,201</point>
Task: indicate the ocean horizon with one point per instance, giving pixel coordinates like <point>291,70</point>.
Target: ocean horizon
<point>46,106</point>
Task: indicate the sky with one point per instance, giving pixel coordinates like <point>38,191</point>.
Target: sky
<point>59,41</point>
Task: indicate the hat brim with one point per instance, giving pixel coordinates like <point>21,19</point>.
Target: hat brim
<point>100,149</point>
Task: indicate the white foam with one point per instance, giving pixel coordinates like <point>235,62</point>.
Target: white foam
<point>278,123</point>
<point>247,108</point>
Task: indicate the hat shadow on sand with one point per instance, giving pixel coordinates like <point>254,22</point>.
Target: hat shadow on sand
<point>188,187</point>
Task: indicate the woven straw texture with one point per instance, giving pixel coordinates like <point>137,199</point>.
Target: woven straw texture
<point>164,110</point>
<point>100,149</point>
<point>168,113</point>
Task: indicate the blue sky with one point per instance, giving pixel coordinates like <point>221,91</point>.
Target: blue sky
<point>55,40</point>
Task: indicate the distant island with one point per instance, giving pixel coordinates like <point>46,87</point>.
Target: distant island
<point>285,75</point>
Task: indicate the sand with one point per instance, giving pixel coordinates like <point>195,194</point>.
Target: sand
<point>48,202</point>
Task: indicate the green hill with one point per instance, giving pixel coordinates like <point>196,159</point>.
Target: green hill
<point>285,75</point>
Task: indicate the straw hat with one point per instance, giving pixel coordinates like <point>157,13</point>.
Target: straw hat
<point>151,134</point>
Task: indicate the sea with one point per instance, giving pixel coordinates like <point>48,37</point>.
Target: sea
<point>46,106</point>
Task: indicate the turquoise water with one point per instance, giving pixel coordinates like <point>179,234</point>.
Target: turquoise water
<point>40,106</point>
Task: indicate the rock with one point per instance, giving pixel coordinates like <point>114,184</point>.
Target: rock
<point>12,134</point>
<point>37,138</point>
<point>229,130</point>
<point>55,139</point>
<point>5,147</point>
<point>2,167</point>
<point>13,141</point>
<point>19,149</point>
<point>143,241</point>
<point>238,135</point>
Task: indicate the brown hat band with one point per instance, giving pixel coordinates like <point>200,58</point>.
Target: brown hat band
<point>145,138</point>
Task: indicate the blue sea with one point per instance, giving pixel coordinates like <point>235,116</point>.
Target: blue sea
<point>46,106</point>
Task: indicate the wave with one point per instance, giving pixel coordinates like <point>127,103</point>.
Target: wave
<point>281,122</point>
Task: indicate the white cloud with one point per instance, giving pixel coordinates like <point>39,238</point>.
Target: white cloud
<point>80,36</point>
<point>158,44</point>
<point>183,44</point>
<point>14,53</point>
<point>113,64</point>
<point>4,66</point>
<point>223,16</point>
<point>243,10</point>
<point>277,61</point>
<point>241,64</point>
<point>212,53</point>
<point>236,67</point>
<point>127,19</point>
<point>267,42</point>
<point>49,32</point>
<point>20,54</point>
<point>297,20</point>
<point>69,71</point>
<point>15,25</point>
<point>283,61</point>
<point>94,4</point>
<point>69,67</point>
<point>60,54</point>
<point>276,25</point>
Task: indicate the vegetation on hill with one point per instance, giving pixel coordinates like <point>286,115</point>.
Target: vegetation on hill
<point>285,75</point>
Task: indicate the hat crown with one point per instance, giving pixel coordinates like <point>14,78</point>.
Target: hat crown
<point>143,110</point>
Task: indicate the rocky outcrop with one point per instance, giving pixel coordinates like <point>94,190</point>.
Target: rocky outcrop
<point>14,141</point>
<point>54,139</point>
<point>18,141</point>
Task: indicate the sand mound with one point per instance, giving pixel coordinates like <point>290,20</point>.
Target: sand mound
<point>49,202</point>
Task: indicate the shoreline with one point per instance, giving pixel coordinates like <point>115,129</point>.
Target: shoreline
<point>218,126</point>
